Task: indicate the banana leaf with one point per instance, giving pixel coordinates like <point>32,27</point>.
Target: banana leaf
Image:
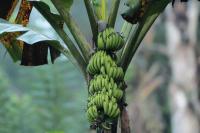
<point>29,55</point>
<point>13,46</point>
<point>34,55</point>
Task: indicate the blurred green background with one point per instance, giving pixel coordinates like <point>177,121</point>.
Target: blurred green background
<point>52,98</point>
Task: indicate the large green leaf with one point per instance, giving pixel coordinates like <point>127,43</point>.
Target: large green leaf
<point>57,22</point>
<point>31,37</point>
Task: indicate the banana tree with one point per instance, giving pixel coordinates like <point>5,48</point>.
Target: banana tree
<point>103,62</point>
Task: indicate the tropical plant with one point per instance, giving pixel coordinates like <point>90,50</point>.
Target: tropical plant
<point>103,62</point>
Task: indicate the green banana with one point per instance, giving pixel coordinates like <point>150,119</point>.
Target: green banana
<point>114,109</point>
<point>90,113</point>
<point>116,113</point>
<point>89,117</point>
<point>94,111</point>
<point>110,106</point>
<point>118,94</point>
<point>100,42</point>
<point>111,40</point>
<point>105,106</point>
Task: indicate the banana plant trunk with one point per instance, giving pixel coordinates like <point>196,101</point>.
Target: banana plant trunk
<point>125,127</point>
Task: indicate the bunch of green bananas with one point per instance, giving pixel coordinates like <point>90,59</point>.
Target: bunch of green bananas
<point>105,85</point>
<point>102,102</point>
<point>104,88</point>
<point>98,100</point>
<point>115,72</point>
<point>111,108</point>
<point>102,63</point>
<point>109,40</point>
<point>92,113</point>
<point>99,59</point>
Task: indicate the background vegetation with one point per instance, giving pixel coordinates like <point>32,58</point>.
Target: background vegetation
<point>52,99</point>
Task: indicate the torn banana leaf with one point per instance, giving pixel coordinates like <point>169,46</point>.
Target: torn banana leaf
<point>35,55</point>
<point>29,55</point>
<point>13,46</point>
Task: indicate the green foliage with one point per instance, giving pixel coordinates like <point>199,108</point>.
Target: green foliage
<point>55,97</point>
<point>14,110</point>
<point>20,114</point>
<point>49,103</point>
<point>4,99</point>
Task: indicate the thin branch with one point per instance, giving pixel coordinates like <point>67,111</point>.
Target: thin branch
<point>92,19</point>
<point>113,13</point>
<point>84,46</point>
<point>68,42</point>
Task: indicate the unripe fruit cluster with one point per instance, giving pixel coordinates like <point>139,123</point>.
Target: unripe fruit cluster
<point>104,87</point>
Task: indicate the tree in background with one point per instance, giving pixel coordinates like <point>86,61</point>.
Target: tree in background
<point>180,26</point>
<point>181,51</point>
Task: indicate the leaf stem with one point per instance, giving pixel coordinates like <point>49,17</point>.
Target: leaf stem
<point>113,14</point>
<point>103,9</point>
<point>92,19</point>
<point>84,46</point>
<point>125,31</point>
<point>134,42</point>
<point>68,42</point>
<point>140,31</point>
